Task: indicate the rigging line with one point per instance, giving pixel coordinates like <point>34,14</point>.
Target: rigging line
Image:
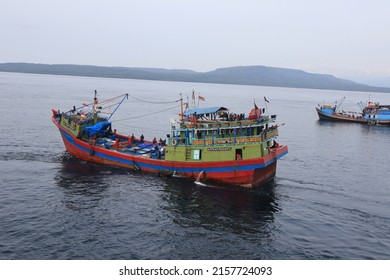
<point>111,99</point>
<point>146,114</point>
<point>100,102</point>
<point>110,105</point>
<point>154,102</point>
<point>143,128</point>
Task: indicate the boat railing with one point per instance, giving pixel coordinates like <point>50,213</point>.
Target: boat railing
<point>226,124</point>
<point>81,118</point>
<point>211,140</point>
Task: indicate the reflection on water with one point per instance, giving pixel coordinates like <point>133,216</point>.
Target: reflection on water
<point>212,206</point>
<point>376,130</point>
<point>219,221</point>
<point>213,221</point>
<point>82,183</point>
<point>220,207</point>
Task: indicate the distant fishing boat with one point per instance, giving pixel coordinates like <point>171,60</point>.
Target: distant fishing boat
<point>206,144</point>
<point>371,113</point>
<point>333,112</point>
<point>375,113</point>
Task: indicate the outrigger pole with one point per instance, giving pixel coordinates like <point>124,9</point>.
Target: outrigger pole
<point>340,102</point>
<point>119,104</point>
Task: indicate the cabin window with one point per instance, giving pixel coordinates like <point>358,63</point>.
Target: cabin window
<point>197,154</point>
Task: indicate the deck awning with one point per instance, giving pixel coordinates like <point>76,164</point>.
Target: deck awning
<point>204,111</point>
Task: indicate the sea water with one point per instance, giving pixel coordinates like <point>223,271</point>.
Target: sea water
<point>330,198</point>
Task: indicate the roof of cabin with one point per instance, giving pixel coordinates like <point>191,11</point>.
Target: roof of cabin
<point>202,111</point>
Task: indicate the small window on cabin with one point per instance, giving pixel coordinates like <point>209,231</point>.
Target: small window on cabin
<point>197,154</point>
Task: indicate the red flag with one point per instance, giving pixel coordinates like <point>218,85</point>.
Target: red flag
<point>201,98</point>
<point>255,113</point>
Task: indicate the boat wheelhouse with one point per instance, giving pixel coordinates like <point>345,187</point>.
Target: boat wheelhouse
<point>374,113</point>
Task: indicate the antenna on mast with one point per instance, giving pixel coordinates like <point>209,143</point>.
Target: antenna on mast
<point>181,108</point>
<point>193,103</point>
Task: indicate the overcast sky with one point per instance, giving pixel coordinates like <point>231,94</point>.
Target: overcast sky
<point>347,38</point>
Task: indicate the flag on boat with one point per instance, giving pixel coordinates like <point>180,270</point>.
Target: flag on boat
<point>265,99</point>
<point>201,98</point>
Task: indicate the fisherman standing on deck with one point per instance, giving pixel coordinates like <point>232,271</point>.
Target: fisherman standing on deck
<point>142,138</point>
<point>132,139</point>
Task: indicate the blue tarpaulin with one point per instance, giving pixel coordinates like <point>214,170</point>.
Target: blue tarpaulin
<point>97,128</point>
<point>146,145</point>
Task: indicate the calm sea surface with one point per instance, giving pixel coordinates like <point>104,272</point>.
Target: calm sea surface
<point>330,198</point>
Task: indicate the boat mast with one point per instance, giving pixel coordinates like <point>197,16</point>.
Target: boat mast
<point>95,102</point>
<point>340,102</point>
<point>193,102</point>
<point>181,108</point>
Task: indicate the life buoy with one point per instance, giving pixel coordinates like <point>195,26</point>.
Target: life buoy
<point>174,142</point>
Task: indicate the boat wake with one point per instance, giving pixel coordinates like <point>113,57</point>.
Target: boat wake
<point>177,175</point>
<point>201,176</point>
<point>200,184</point>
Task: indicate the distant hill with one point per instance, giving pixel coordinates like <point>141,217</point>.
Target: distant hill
<point>240,75</point>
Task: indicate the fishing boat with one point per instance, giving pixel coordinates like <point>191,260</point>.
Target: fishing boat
<point>333,112</point>
<point>370,113</point>
<point>206,144</point>
<point>374,113</point>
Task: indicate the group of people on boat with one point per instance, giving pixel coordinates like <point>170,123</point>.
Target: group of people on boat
<point>160,142</point>
<point>232,116</point>
<point>223,115</point>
